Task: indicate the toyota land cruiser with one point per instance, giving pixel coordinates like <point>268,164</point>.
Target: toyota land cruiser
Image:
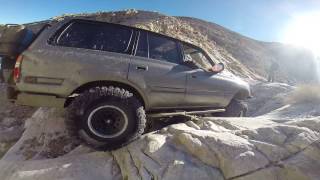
<point>109,76</point>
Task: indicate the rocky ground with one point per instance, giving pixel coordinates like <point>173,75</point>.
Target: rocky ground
<point>12,119</point>
<point>277,143</point>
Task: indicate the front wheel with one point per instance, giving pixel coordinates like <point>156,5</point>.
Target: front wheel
<point>236,108</point>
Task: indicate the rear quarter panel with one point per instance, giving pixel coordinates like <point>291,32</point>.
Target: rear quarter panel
<point>74,66</point>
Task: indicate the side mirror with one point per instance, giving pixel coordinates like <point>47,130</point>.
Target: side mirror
<point>217,68</point>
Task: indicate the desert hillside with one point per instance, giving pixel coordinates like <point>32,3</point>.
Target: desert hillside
<point>243,56</point>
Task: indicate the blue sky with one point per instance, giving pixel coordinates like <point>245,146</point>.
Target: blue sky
<point>259,19</point>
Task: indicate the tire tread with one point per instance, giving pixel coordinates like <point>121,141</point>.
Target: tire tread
<point>78,106</point>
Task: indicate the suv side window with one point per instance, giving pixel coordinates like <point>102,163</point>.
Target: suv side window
<point>104,37</point>
<point>163,48</point>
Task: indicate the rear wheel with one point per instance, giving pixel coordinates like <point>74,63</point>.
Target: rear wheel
<point>236,108</point>
<point>106,117</point>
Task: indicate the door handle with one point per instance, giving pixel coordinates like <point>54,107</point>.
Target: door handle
<point>194,76</point>
<point>142,68</point>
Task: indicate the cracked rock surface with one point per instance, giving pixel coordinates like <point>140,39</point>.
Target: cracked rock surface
<point>207,148</point>
<point>12,118</point>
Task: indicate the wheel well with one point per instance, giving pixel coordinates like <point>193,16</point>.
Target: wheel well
<point>241,95</point>
<point>89,85</point>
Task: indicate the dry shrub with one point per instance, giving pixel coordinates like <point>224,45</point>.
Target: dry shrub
<point>306,93</point>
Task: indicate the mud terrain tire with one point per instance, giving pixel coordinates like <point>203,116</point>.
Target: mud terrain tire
<point>236,108</point>
<point>106,118</point>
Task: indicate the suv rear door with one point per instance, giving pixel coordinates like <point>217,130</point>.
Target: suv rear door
<point>156,70</point>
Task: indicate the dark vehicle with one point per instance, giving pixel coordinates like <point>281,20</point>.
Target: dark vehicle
<point>109,76</point>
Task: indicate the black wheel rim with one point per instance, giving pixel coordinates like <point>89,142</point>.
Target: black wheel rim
<point>107,121</point>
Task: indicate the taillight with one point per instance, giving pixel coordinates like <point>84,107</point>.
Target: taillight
<point>17,69</point>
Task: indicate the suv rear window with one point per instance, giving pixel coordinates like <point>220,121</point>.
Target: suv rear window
<point>104,37</point>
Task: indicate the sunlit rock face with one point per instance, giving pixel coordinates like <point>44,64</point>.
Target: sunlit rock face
<point>205,148</point>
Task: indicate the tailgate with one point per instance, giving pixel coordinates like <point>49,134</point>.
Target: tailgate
<point>14,39</point>
<point>6,69</point>
<point>6,76</point>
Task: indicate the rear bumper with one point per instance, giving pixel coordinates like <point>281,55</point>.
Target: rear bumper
<point>39,100</point>
<point>33,99</point>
